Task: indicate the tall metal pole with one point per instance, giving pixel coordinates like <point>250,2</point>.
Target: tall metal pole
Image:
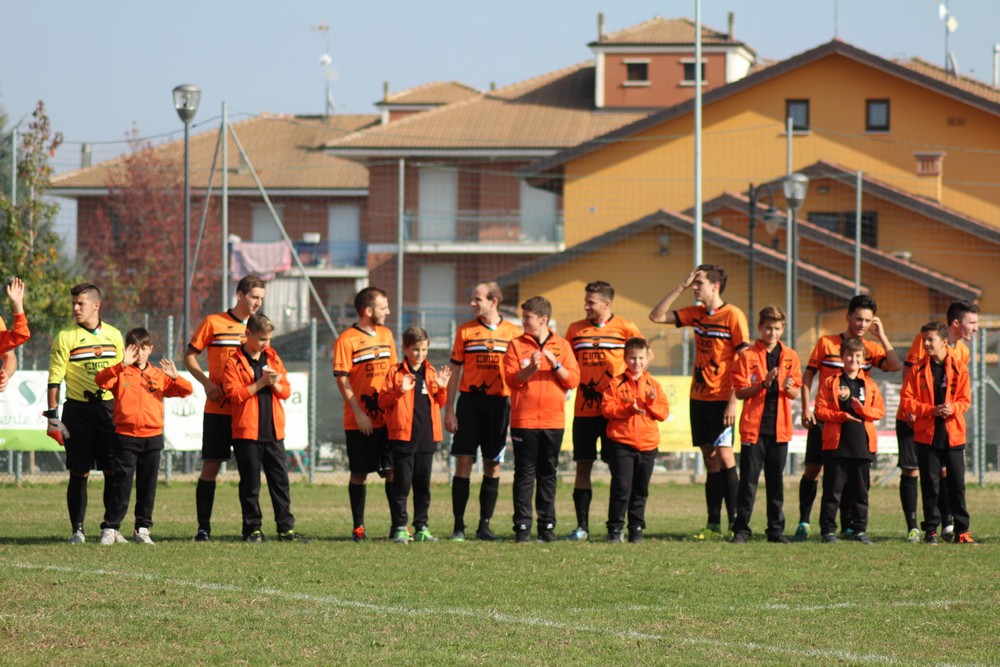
<point>401,223</point>
<point>753,225</point>
<point>187,231</point>
<point>857,234</point>
<point>225,208</point>
<point>697,135</point>
<point>789,242</point>
<point>794,315</point>
<point>313,384</point>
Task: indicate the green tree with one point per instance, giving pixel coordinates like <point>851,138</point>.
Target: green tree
<point>29,248</point>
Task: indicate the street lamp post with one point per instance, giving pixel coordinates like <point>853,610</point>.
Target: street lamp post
<point>186,99</point>
<point>795,187</point>
<point>770,216</point>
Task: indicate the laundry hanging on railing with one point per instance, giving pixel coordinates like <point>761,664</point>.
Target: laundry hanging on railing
<point>262,259</point>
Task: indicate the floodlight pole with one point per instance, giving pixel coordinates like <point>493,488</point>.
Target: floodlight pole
<point>186,99</point>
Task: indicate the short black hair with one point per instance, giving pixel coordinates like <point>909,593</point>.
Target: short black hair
<point>958,309</point>
<point>90,289</point>
<point>366,299</point>
<point>940,328</point>
<point>715,274</point>
<point>861,301</point>
<point>602,288</point>
<point>138,337</point>
<point>538,305</point>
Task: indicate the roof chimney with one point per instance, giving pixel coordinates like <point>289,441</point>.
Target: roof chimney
<point>732,20</point>
<point>600,26</point>
<point>385,91</point>
<point>86,156</point>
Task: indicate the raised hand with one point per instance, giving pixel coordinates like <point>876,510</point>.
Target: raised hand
<point>169,369</point>
<point>130,355</point>
<point>444,374</point>
<point>407,383</point>
<point>15,290</point>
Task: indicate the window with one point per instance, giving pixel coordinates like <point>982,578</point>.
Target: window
<point>842,223</point>
<point>798,111</point>
<point>636,71</point>
<point>876,115</point>
<point>689,71</point>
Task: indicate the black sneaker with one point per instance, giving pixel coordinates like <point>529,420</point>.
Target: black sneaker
<point>931,537</point>
<point>614,537</point>
<point>202,535</point>
<point>740,538</point>
<point>547,535</point>
<point>635,535</point>
<point>778,539</point>
<point>486,534</point>
<point>522,536</point>
<point>293,536</point>
<point>863,538</point>
<point>256,537</point>
<point>829,538</point>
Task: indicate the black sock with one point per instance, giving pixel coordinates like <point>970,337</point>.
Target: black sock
<point>731,487</point>
<point>76,501</point>
<point>581,501</point>
<point>488,494</point>
<point>204,500</point>
<point>908,498</point>
<point>807,495</point>
<point>357,494</point>
<point>388,498</point>
<point>944,504</point>
<point>459,499</point>
<point>714,492</point>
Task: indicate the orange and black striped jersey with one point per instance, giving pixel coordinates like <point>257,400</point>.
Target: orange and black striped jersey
<point>959,352</point>
<point>828,361</point>
<point>479,350</point>
<point>221,334</point>
<point>600,351</point>
<point>719,337</point>
<point>79,354</point>
<point>365,359</point>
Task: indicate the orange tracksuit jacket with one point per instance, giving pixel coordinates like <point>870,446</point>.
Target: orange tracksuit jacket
<point>750,369</point>
<point>637,431</point>
<point>828,411</point>
<point>398,405</point>
<point>139,397</point>
<point>917,399</point>
<point>540,401</point>
<point>236,381</point>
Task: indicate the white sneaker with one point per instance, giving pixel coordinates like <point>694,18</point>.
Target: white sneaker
<point>108,536</point>
<point>142,536</point>
<point>119,538</point>
<point>77,537</point>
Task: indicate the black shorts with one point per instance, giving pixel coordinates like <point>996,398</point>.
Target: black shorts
<point>92,435</point>
<point>907,451</point>
<point>216,437</point>
<point>586,431</point>
<point>369,453</point>
<point>483,422</point>
<point>707,421</point>
<point>814,445</point>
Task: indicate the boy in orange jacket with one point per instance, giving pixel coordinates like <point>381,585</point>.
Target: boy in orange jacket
<point>767,377</point>
<point>632,403</point>
<point>139,389</point>
<point>848,405</point>
<point>540,368</point>
<point>255,382</point>
<point>412,397</point>
<point>938,394</point>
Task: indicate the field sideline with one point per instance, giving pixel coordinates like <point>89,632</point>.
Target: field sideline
<point>668,600</point>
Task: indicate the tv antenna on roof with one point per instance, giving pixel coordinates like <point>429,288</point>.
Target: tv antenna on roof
<point>950,26</point>
<point>326,61</point>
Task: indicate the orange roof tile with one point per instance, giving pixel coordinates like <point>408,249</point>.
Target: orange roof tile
<point>966,83</point>
<point>283,149</point>
<point>551,111</point>
<point>663,32</point>
<point>436,92</point>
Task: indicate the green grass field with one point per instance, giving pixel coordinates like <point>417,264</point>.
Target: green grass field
<point>667,601</point>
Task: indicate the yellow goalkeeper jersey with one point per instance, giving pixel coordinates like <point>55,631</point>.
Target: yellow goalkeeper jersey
<point>79,354</point>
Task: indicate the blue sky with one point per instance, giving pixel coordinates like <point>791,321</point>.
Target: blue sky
<point>102,67</point>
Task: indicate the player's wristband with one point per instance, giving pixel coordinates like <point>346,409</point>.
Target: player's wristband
<point>557,366</point>
<point>51,414</point>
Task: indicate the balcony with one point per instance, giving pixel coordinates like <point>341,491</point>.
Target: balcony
<point>483,231</point>
<point>324,259</point>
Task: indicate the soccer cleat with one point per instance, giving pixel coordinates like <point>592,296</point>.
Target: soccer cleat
<point>202,535</point>
<point>848,534</point>
<point>424,535</point>
<point>486,534</point>
<point>358,534</point>
<point>142,536</point>
<point>965,538</point>
<point>293,536</point>
<point>931,537</point>
<point>402,536</point>
<point>256,537</point>
<point>108,536</point>
<point>778,539</point>
<point>740,538</point>
<point>830,538</point>
<point>863,538</point>
<point>614,537</point>
<point>710,532</point>
<point>948,533</point>
<point>635,535</point>
<point>459,536</point>
<point>547,535</point>
<point>578,535</point>
<point>522,536</point>
<point>77,537</point>
<point>801,533</point>
<point>913,537</point>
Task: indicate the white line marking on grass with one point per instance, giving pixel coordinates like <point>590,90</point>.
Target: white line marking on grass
<point>528,621</point>
<point>777,606</point>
